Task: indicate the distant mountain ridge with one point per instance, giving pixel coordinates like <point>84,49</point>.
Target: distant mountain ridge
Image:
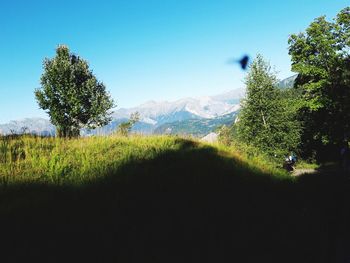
<point>202,107</point>
<point>195,116</point>
<point>196,127</point>
<point>39,126</point>
<point>155,114</point>
<point>288,82</point>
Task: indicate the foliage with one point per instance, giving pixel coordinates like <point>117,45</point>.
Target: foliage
<point>320,56</point>
<point>225,134</point>
<point>72,95</point>
<point>124,128</point>
<point>255,158</point>
<point>267,119</point>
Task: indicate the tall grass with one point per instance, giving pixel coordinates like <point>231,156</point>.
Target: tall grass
<point>255,159</point>
<point>160,199</point>
<point>26,159</point>
<point>53,160</point>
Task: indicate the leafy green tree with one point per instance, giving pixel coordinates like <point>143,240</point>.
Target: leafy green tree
<point>321,57</point>
<point>71,94</point>
<point>267,119</point>
<point>125,127</point>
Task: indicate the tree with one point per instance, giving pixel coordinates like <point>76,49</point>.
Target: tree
<point>320,56</point>
<point>267,118</point>
<point>71,94</point>
<point>125,127</point>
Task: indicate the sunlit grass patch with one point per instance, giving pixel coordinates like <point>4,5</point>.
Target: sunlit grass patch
<point>28,159</point>
<point>53,160</point>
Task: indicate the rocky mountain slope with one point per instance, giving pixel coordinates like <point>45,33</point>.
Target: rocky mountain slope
<point>152,115</point>
<point>196,116</point>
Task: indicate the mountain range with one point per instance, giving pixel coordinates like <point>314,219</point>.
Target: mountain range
<point>288,82</point>
<point>195,116</point>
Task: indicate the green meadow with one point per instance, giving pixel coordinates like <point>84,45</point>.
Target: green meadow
<point>60,161</point>
<point>161,199</point>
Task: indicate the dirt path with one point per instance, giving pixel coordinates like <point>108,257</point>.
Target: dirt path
<point>298,172</point>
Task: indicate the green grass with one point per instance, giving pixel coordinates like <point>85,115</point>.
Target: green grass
<point>27,159</point>
<point>301,164</point>
<point>75,161</point>
<point>161,199</point>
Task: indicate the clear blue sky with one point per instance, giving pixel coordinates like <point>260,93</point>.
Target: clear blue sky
<point>146,50</point>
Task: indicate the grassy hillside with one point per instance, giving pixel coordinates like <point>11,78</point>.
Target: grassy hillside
<point>160,199</point>
<point>55,161</point>
<point>80,161</point>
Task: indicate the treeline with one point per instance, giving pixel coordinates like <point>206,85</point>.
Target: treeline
<point>311,118</point>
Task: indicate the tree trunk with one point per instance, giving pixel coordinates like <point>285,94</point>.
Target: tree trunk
<point>67,132</point>
<point>263,118</point>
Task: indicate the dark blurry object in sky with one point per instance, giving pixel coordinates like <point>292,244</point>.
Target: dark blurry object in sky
<point>243,61</point>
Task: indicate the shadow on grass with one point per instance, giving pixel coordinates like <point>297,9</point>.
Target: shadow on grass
<point>191,205</point>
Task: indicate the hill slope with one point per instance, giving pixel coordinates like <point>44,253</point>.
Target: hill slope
<point>159,199</point>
